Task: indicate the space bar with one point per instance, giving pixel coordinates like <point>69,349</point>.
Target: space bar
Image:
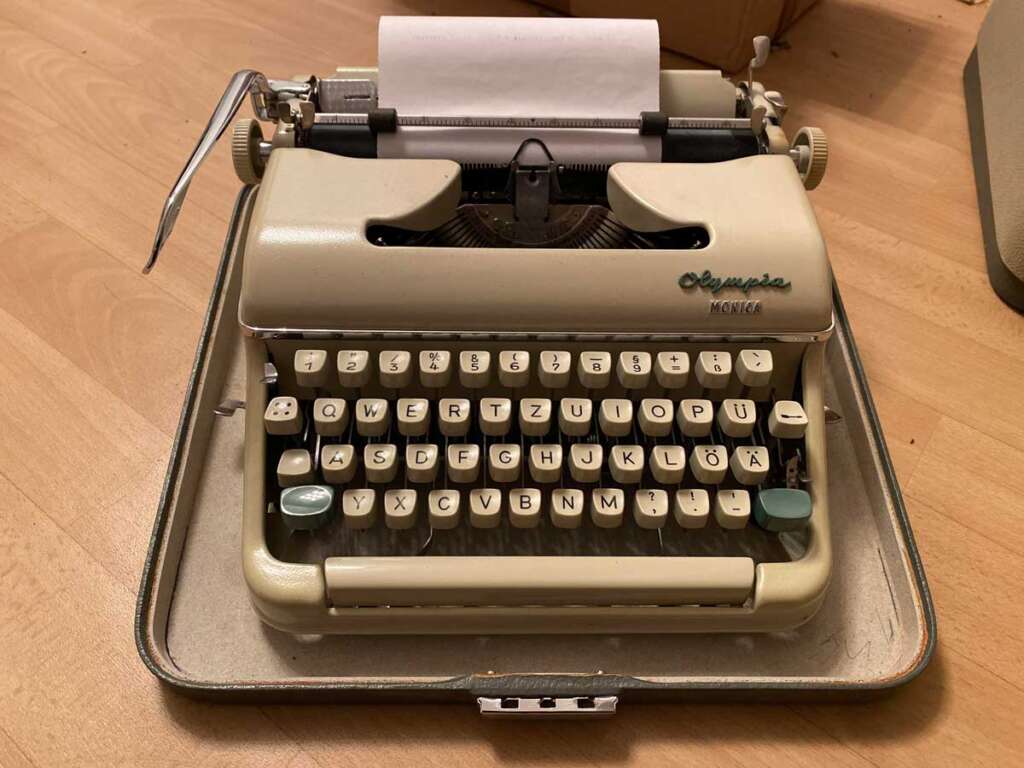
<point>536,580</point>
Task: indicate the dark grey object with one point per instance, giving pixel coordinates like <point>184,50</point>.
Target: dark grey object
<point>993,78</point>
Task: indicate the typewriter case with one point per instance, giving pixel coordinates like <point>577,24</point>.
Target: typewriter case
<point>197,632</point>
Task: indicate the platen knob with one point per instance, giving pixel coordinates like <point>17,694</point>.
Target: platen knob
<point>812,146</point>
<point>245,150</point>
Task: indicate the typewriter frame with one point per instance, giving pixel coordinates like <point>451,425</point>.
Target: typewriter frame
<point>297,597</point>
<point>163,622</point>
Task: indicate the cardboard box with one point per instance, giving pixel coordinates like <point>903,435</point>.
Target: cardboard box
<point>718,32</point>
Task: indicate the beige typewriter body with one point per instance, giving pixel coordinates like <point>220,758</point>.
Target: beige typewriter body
<point>530,397</point>
<point>311,280</point>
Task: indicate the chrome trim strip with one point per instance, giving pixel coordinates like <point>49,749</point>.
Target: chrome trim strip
<point>573,336</point>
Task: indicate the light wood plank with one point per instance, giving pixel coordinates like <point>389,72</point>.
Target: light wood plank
<point>696,735</point>
<point>975,481</point>
<point>939,367</point>
<point>100,299</point>
<point>973,591</point>
<point>956,714</point>
<point>908,427</point>
<point>11,755</point>
<point>118,219</point>
<point>943,292</point>
<point>73,691</point>
<point>93,360</point>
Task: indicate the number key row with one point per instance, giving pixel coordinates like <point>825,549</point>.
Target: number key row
<point>594,369</point>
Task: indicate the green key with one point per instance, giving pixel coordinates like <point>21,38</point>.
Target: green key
<point>782,509</point>
<point>306,507</point>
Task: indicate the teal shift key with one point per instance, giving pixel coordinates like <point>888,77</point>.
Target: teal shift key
<point>307,507</point>
<point>782,509</point>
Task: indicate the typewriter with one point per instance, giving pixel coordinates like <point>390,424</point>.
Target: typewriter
<point>530,391</point>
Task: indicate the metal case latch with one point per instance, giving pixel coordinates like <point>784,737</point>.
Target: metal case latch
<point>547,706</point>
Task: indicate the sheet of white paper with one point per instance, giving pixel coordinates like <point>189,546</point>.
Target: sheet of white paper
<point>518,67</point>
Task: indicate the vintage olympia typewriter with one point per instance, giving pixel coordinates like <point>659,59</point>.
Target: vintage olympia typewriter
<point>534,336</point>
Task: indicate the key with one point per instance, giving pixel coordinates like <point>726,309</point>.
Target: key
<point>656,417</point>
<point>524,506</point>
<point>535,416</point>
<point>395,368</point>
<point>354,367</point>
<point>732,509</point>
<point>749,464</point>
<point>786,421</point>
<point>338,463</point>
<point>474,369</point>
<point>504,462</point>
<point>606,505</point>
<point>372,417</point>
<point>359,508</point>
<point>736,418</point>
<point>295,467</point>
<point>594,369</point>
<point>650,508</point>
<point>554,369</point>
<point>485,507</point>
<point>546,463</point>
<point>435,368</point>
<point>514,368</point>
<point>574,416</point>
<point>453,416</point>
<point>310,367</point>
<point>421,462</point>
<point>754,367</point>
<point>634,369</point>
<point>691,508</point>
<point>694,417</point>
<point>616,417</point>
<point>495,416</point>
<point>283,416</point>
<point>782,509</point>
<point>626,463</point>
<point>566,507</point>
<point>400,509</point>
<point>668,463</point>
<point>443,509</point>
<point>713,369</point>
<point>672,369</point>
<point>330,416</point>
<point>585,460</point>
<point>709,463</point>
<point>380,462</point>
<point>463,462</point>
<point>306,507</point>
<point>413,414</point>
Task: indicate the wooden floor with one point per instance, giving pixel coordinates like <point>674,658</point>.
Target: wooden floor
<point>103,99</point>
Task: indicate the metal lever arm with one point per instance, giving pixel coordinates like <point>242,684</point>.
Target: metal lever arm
<point>242,83</point>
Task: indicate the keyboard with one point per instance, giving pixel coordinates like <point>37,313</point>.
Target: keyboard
<point>484,451</point>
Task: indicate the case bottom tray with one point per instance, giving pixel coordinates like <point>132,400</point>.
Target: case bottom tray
<point>197,632</point>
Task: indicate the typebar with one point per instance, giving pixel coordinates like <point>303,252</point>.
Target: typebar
<point>531,580</point>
